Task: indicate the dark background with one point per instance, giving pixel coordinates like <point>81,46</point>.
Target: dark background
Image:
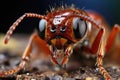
<point>10,10</point>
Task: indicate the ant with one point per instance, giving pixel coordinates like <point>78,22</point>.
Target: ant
<point>61,30</point>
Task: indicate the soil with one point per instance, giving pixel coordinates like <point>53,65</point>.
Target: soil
<point>38,70</point>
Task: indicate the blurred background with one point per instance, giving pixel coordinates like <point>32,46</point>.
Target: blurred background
<point>10,10</point>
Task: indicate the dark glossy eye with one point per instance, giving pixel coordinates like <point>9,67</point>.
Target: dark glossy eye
<point>63,29</point>
<point>79,27</point>
<point>42,26</point>
<point>53,29</point>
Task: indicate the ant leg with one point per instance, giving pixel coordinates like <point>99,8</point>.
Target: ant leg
<point>26,56</point>
<point>99,62</point>
<point>100,55</point>
<point>98,48</point>
<point>112,37</point>
<point>95,45</point>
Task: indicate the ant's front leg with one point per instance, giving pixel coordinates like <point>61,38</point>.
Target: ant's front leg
<point>100,55</point>
<point>99,61</point>
<point>26,56</point>
<point>98,47</point>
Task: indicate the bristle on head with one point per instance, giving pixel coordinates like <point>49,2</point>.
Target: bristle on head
<point>62,7</point>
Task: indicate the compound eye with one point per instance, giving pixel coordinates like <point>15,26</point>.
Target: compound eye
<point>42,26</point>
<point>79,27</point>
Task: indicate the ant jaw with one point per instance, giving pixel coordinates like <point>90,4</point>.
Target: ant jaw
<point>59,43</point>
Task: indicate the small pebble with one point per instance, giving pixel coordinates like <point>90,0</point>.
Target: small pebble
<point>2,56</point>
<point>89,78</point>
<point>27,74</point>
<point>56,78</point>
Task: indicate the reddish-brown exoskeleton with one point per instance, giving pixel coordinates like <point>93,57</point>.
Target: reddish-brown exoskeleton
<point>61,31</point>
